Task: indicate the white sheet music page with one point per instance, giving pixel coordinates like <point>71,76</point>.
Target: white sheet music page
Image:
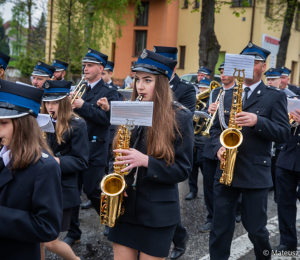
<point>45,123</point>
<point>240,62</point>
<point>293,104</point>
<point>141,113</point>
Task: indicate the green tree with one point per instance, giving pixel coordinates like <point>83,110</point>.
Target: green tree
<point>4,46</point>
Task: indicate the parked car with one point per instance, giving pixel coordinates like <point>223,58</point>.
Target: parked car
<point>192,77</point>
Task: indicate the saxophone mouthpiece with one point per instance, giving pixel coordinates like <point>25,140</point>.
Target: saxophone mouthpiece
<point>140,97</point>
<point>51,114</point>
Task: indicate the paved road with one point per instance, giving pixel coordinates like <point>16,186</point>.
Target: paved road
<point>95,246</point>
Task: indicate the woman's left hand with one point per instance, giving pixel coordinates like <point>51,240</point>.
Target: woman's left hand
<point>296,115</point>
<point>57,159</point>
<point>133,157</point>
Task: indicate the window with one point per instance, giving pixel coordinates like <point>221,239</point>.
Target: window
<point>143,13</point>
<point>185,4</point>
<point>182,57</point>
<point>197,3</point>
<point>269,8</point>
<point>242,3</point>
<point>297,20</point>
<point>140,42</point>
<point>113,51</point>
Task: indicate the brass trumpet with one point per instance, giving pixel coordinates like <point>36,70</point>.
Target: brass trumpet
<point>78,91</point>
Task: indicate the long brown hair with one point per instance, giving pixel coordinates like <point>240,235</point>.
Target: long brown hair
<point>63,118</point>
<point>27,143</point>
<point>2,76</point>
<point>162,134</point>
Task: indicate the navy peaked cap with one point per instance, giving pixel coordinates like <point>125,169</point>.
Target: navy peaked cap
<point>204,82</point>
<point>43,69</point>
<point>254,50</point>
<point>170,52</point>
<point>285,71</point>
<point>204,70</point>
<point>4,60</point>
<point>94,56</point>
<point>56,89</point>
<point>110,66</point>
<point>222,66</point>
<point>273,73</point>
<point>60,65</point>
<point>155,64</point>
<point>18,100</point>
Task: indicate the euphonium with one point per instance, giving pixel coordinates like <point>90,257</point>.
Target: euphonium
<point>231,138</point>
<point>78,90</point>
<point>200,105</point>
<point>113,185</point>
<point>210,121</point>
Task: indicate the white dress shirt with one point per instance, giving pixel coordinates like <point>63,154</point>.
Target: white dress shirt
<point>94,83</point>
<point>5,155</point>
<point>252,88</point>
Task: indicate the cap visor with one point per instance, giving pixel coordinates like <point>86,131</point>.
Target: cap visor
<point>11,113</point>
<point>91,61</point>
<point>147,70</point>
<point>272,77</point>
<point>36,73</point>
<point>53,98</point>
<point>58,69</point>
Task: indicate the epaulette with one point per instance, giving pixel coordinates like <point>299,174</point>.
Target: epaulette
<point>185,82</point>
<point>294,86</point>
<point>273,88</point>
<point>179,105</point>
<point>107,85</point>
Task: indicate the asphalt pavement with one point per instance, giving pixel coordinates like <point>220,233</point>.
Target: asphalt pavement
<point>94,245</point>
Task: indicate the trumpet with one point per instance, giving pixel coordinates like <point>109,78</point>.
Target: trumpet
<point>78,91</point>
<point>210,121</point>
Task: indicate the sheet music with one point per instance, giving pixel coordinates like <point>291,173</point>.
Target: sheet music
<point>45,123</point>
<point>140,112</point>
<point>293,104</point>
<point>240,62</point>
<point>21,83</point>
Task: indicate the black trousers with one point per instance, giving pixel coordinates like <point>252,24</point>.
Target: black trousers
<point>254,219</point>
<point>91,184</point>
<point>179,235</point>
<point>273,172</point>
<point>287,183</point>
<point>197,163</point>
<point>209,170</point>
<point>74,232</point>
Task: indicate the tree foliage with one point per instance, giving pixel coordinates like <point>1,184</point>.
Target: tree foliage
<point>4,46</point>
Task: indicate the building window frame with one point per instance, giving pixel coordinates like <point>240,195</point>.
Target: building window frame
<point>140,42</point>
<point>269,7</point>
<point>142,18</point>
<point>197,4</point>
<point>240,3</point>
<point>297,18</point>
<point>185,4</point>
<point>182,53</point>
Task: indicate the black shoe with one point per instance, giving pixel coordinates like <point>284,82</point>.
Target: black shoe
<point>205,228</point>
<point>71,241</point>
<point>238,218</point>
<point>178,251</point>
<point>191,196</point>
<point>106,231</point>
<point>284,248</point>
<point>87,205</point>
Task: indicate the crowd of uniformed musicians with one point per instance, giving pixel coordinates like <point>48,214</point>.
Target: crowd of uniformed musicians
<point>42,175</point>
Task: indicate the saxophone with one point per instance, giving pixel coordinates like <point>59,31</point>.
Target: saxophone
<point>113,185</point>
<point>231,138</point>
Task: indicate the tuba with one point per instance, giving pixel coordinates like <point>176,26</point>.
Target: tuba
<point>78,90</point>
<point>200,105</point>
<point>231,138</point>
<point>113,185</point>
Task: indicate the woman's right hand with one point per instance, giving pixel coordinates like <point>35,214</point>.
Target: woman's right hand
<point>220,152</point>
<point>103,103</point>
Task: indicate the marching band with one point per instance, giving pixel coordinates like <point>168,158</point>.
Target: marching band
<point>246,144</point>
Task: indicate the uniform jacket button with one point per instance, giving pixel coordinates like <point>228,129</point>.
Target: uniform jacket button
<point>155,176</point>
<point>257,112</point>
<point>265,162</point>
<point>298,143</point>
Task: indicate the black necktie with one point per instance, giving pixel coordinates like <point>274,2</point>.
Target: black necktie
<point>88,88</point>
<point>2,165</point>
<point>246,89</point>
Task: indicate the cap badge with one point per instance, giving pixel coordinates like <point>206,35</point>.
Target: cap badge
<point>250,44</point>
<point>54,61</point>
<point>89,51</point>
<point>39,63</point>
<point>154,49</point>
<point>144,55</point>
<point>271,70</point>
<point>282,67</point>
<point>47,85</point>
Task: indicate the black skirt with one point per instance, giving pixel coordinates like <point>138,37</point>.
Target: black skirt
<point>66,219</point>
<point>149,240</point>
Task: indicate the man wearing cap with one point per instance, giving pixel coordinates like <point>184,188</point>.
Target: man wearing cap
<point>60,69</point>
<point>98,123</point>
<point>203,72</point>
<point>41,73</point>
<point>4,60</point>
<point>273,77</point>
<point>285,78</point>
<point>186,95</point>
<point>264,120</point>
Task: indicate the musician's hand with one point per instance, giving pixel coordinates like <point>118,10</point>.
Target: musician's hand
<point>220,152</point>
<point>213,107</point>
<point>78,102</point>
<point>133,157</point>
<point>125,194</point>
<point>246,119</point>
<point>296,115</point>
<point>57,159</point>
<point>103,103</point>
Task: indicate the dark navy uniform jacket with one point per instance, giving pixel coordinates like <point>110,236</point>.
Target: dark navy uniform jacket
<point>289,157</point>
<point>155,202</point>
<point>97,120</point>
<point>73,154</point>
<point>208,147</point>
<point>184,92</point>
<point>295,89</point>
<point>30,209</point>
<point>253,162</point>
